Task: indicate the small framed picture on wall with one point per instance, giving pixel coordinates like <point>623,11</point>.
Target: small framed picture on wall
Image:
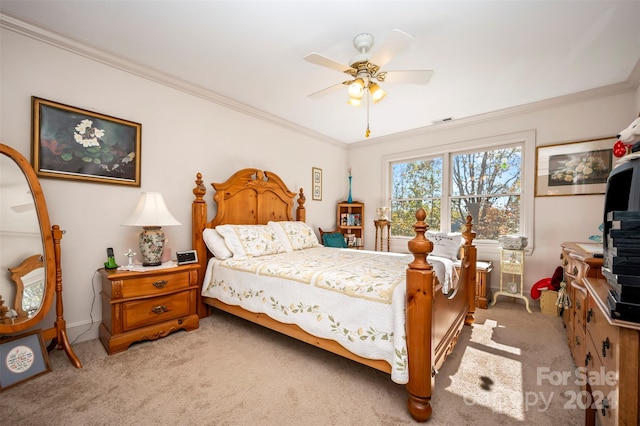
<point>316,180</point>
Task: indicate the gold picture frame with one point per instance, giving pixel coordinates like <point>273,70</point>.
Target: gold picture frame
<point>72,143</point>
<point>574,168</point>
<point>316,182</point>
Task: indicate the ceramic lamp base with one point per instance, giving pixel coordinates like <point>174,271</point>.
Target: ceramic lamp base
<point>151,245</point>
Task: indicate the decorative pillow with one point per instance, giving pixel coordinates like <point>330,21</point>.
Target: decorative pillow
<point>445,244</point>
<point>215,244</point>
<point>335,239</point>
<point>250,240</point>
<point>294,235</point>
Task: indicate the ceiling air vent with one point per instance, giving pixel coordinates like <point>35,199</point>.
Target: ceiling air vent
<point>442,120</point>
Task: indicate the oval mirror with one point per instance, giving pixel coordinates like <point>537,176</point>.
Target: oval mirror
<point>27,286</point>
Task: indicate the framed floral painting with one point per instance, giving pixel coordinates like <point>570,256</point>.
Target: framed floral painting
<point>72,143</point>
<point>575,168</point>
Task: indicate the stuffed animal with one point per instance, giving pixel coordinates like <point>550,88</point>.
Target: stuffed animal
<point>628,139</point>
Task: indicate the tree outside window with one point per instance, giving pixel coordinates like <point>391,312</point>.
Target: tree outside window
<point>483,184</point>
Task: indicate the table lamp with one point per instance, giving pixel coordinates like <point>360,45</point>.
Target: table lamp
<point>151,213</point>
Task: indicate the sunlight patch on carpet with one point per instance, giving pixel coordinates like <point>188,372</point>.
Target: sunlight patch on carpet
<point>482,334</point>
<point>497,387</point>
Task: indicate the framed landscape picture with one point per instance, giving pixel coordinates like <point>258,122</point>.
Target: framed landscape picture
<point>72,143</point>
<point>575,168</point>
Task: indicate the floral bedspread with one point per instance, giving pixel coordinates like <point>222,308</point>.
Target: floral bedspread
<point>354,297</point>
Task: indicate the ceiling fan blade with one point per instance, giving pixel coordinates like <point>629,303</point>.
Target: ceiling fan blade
<point>411,77</point>
<point>394,44</point>
<point>323,61</point>
<point>327,90</point>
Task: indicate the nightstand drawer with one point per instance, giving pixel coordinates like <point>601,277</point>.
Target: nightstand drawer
<point>150,311</point>
<point>153,284</point>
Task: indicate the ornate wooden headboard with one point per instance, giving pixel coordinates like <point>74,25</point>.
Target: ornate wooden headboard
<point>250,196</point>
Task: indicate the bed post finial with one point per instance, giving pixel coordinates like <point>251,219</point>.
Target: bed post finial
<point>420,246</point>
<point>301,212</point>
<point>200,189</point>
<point>467,231</point>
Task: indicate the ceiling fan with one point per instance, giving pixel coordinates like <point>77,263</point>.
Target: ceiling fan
<point>365,69</point>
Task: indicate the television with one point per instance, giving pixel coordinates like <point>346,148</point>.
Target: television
<point>621,242</point>
<point>622,193</point>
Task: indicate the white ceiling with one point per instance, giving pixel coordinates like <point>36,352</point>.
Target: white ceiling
<point>487,55</point>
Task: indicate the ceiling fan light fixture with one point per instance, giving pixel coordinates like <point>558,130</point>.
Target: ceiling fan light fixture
<point>356,88</point>
<point>354,102</point>
<point>376,92</point>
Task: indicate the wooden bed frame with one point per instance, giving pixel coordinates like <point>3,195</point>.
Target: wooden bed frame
<point>433,322</point>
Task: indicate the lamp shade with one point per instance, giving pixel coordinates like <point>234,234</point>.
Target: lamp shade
<point>151,211</point>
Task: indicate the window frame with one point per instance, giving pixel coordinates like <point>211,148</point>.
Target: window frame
<point>526,139</point>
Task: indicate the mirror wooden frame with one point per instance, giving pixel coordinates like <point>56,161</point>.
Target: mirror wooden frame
<point>51,236</point>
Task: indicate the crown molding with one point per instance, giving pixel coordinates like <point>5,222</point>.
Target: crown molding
<point>599,92</point>
<point>110,59</point>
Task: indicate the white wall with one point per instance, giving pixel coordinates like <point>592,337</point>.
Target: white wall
<point>557,219</point>
<point>181,135</point>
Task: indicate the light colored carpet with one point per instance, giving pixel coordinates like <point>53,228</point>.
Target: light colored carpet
<point>232,372</point>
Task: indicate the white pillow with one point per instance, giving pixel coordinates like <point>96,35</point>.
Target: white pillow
<point>215,244</point>
<point>294,235</point>
<point>250,240</point>
<point>445,244</point>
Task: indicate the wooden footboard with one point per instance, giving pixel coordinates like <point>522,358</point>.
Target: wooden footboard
<point>433,319</point>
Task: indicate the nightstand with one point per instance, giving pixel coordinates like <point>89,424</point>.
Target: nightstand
<point>147,305</point>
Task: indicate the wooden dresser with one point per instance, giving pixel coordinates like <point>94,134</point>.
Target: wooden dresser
<point>577,264</point>
<point>606,348</point>
<point>147,305</point>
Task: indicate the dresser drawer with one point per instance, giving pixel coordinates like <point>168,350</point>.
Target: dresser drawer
<point>153,284</point>
<point>580,309</point>
<point>576,268</point>
<point>605,337</point>
<point>150,311</point>
<point>604,387</point>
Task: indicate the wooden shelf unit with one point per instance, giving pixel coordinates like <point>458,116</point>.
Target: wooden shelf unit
<point>350,220</point>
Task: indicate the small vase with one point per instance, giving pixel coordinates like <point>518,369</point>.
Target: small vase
<point>349,200</point>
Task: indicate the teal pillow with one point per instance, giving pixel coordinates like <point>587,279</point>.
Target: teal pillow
<point>334,240</point>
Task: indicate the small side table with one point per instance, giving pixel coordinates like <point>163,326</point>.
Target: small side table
<point>147,305</point>
<point>380,230</point>
<point>512,271</point>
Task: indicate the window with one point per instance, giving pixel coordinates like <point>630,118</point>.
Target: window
<point>487,186</point>
<point>485,182</point>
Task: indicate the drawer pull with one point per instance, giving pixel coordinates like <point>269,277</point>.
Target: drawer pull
<point>577,341</point>
<point>160,284</point>
<point>605,405</point>
<point>575,270</point>
<point>160,309</point>
<point>589,314</point>
<point>577,304</point>
<point>587,359</point>
<point>605,345</point>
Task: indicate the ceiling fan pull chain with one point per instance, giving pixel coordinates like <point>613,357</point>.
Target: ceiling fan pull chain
<point>368,132</point>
